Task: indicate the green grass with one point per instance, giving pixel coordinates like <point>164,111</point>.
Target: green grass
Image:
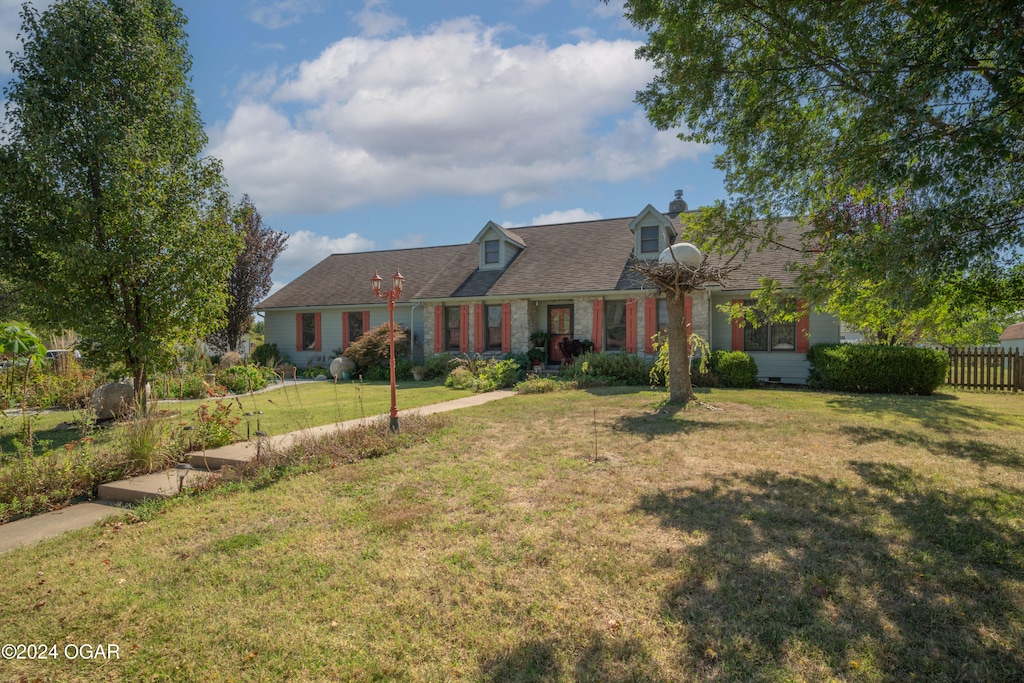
<point>69,462</point>
<point>576,536</point>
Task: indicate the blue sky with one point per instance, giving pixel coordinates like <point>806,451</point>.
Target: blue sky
<point>376,124</point>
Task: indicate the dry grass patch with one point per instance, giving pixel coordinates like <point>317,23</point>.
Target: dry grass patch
<point>578,536</point>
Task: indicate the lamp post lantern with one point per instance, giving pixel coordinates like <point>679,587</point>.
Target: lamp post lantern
<point>391,295</point>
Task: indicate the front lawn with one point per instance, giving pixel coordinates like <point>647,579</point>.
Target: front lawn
<point>576,536</point>
<point>66,461</point>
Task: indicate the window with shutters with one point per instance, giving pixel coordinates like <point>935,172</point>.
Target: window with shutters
<point>452,336</point>
<point>355,325</point>
<point>493,316</point>
<point>309,331</point>
<point>768,335</point>
<point>615,325</point>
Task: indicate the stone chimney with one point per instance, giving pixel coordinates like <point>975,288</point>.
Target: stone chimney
<point>677,205</point>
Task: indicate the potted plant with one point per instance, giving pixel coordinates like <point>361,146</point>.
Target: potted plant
<point>539,339</point>
<point>419,372</point>
<point>536,356</point>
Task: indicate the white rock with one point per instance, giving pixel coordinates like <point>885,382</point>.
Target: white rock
<point>113,400</point>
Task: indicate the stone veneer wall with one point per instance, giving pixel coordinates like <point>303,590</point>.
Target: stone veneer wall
<point>428,330</point>
<point>700,315</point>
<point>521,326</point>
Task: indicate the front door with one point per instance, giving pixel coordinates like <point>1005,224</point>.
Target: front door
<point>559,327</point>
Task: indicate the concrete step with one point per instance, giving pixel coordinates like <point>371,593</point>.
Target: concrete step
<point>166,484</point>
<point>226,456</point>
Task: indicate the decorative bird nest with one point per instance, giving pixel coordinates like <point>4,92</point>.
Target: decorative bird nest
<point>677,279</point>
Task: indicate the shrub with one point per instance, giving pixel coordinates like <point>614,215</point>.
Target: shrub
<point>230,359</point>
<point>267,355</point>
<point>614,368</point>
<point>373,348</point>
<point>573,348</point>
<point>733,369</point>
<point>877,369</point>
<point>243,378</point>
<point>484,375</point>
<point>189,385</point>
<point>439,365</point>
<point>314,371</point>
<point>542,385</point>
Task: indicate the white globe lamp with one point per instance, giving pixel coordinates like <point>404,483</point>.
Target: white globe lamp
<point>684,253</point>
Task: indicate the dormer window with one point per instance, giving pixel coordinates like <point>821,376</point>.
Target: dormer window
<point>498,246</point>
<point>652,232</point>
<point>491,251</point>
<point>649,240</point>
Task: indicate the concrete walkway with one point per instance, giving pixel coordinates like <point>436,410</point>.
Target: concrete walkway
<point>203,464</point>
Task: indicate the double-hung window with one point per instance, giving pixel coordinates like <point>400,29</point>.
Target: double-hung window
<point>615,325</point>
<point>649,240</point>
<point>452,320</point>
<point>355,325</point>
<point>768,335</point>
<point>493,315</point>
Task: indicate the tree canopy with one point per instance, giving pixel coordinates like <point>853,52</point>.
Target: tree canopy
<point>249,281</point>
<point>810,102</point>
<point>108,214</point>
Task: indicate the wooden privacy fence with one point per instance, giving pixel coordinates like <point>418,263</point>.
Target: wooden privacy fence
<point>986,367</point>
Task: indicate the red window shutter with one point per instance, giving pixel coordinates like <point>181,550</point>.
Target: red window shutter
<point>366,322</point>
<point>688,320</point>
<point>803,328</point>
<point>506,328</point>
<point>439,330</point>
<point>316,332</point>
<point>464,329</point>
<point>598,335</point>
<point>298,331</point>
<point>737,329</point>
<point>630,325</point>
<point>478,327</point>
<point>650,323</point>
<point>344,330</point>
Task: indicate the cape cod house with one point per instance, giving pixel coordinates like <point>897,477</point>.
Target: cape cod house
<point>569,279</point>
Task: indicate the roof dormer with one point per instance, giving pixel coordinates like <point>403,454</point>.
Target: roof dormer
<point>653,233</point>
<point>498,246</point>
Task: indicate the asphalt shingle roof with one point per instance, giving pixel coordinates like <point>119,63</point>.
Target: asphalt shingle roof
<point>590,256</point>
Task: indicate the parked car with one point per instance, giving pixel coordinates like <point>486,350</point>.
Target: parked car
<point>54,354</point>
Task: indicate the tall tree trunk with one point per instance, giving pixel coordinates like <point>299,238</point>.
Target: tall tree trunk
<point>680,389</point>
<point>139,384</point>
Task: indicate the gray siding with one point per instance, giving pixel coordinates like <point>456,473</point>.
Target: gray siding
<point>280,329</point>
<point>789,367</point>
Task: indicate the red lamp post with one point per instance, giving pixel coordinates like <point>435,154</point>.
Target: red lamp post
<point>391,295</point>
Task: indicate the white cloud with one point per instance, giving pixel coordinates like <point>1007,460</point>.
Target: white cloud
<point>281,13</point>
<point>10,26</point>
<point>375,20</point>
<point>450,111</point>
<point>305,249</point>
<point>570,216</point>
<point>268,46</point>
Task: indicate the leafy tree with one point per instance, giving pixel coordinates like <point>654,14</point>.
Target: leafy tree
<point>249,281</point>
<point>891,98</point>
<point>107,212</point>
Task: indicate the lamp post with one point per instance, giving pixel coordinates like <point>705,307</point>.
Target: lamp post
<point>394,293</point>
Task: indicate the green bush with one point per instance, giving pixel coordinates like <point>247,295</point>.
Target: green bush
<point>190,385</point>
<point>240,379</point>
<point>267,355</point>
<point>877,369</point>
<point>314,371</point>
<point>439,365</point>
<point>485,375</point>
<point>542,385</point>
<point>733,369</point>
<point>613,368</point>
